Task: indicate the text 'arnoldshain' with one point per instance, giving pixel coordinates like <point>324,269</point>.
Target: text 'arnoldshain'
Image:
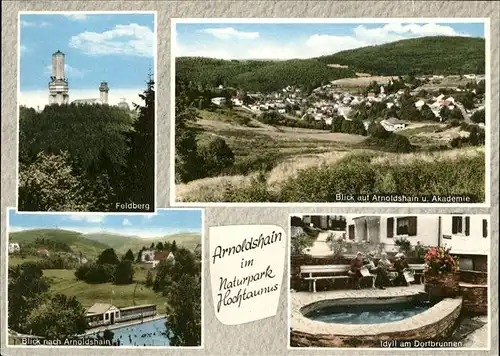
<point>246,268</point>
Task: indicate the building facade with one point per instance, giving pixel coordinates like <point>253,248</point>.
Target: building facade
<point>465,234</point>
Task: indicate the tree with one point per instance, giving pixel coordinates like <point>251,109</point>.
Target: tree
<point>159,246</point>
<point>141,156</point>
<point>216,156</point>
<point>58,317</point>
<point>187,161</point>
<point>173,249</point>
<point>100,273</point>
<point>149,279</point>
<point>378,131</point>
<point>124,272</point>
<point>50,183</point>
<point>139,255</point>
<point>478,117</point>
<point>184,311</point>
<point>108,256</point>
<point>25,287</point>
<point>427,114</point>
<point>129,255</point>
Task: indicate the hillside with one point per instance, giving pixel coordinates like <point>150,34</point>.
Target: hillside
<point>256,76</point>
<point>425,55</point>
<point>122,243</point>
<point>77,241</point>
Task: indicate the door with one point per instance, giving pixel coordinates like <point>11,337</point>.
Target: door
<point>112,317</point>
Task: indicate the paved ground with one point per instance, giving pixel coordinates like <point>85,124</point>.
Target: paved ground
<point>320,246</point>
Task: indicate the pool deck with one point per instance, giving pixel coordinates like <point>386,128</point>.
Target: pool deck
<point>320,333</point>
<point>124,324</point>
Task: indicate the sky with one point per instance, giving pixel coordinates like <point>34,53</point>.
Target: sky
<point>117,48</point>
<point>164,222</point>
<point>301,40</point>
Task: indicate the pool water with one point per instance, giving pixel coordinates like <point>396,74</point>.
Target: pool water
<point>150,333</point>
<point>367,314</point>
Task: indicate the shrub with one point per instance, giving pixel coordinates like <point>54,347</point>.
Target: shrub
<point>216,156</point>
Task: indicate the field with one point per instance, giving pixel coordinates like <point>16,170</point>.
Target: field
<point>75,240</point>
<point>65,282</point>
<point>285,155</point>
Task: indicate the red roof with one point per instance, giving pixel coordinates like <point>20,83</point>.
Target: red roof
<point>161,255</point>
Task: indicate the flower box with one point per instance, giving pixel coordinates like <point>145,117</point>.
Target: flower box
<point>444,285</point>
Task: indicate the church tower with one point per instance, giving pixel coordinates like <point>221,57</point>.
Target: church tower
<point>104,90</point>
<point>58,86</point>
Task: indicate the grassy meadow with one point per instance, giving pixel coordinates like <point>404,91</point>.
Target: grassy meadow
<point>65,282</point>
<point>284,164</point>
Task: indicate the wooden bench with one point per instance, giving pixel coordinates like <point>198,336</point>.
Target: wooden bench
<point>312,273</point>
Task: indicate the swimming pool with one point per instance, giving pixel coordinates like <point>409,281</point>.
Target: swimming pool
<point>150,333</point>
<point>368,313</point>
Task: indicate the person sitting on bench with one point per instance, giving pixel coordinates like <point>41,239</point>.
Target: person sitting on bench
<point>379,270</point>
<point>400,265</point>
<point>356,265</point>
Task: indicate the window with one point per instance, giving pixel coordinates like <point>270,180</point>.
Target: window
<point>351,232</point>
<point>106,316</point>
<point>407,226</point>
<point>460,225</point>
<point>456,225</point>
<point>485,228</point>
<point>390,228</point>
<point>116,314</point>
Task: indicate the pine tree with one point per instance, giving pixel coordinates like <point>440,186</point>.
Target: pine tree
<point>141,158</point>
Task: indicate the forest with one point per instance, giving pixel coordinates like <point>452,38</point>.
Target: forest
<point>256,76</point>
<point>87,157</point>
<point>419,56</point>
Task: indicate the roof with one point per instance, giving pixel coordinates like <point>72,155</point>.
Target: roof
<point>58,52</point>
<point>161,255</point>
<point>394,121</point>
<point>99,308</point>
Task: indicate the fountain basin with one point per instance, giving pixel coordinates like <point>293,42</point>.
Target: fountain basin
<point>435,323</point>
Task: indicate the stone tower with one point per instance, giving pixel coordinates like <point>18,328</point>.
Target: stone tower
<point>58,86</point>
<point>104,90</point>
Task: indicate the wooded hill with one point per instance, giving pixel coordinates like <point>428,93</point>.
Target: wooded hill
<point>427,55</point>
<point>439,55</point>
<point>256,76</point>
<point>91,245</point>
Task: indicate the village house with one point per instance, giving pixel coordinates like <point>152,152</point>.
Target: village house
<point>219,101</point>
<point>14,247</point>
<point>236,101</point>
<point>151,258</point>
<point>43,251</point>
<point>466,235</point>
<point>393,124</point>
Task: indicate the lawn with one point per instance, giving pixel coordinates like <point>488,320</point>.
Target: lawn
<point>64,282</point>
<point>15,260</point>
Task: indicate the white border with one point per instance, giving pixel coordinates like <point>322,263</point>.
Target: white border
<point>202,276</point>
<point>155,78</point>
<point>486,23</point>
<point>390,349</point>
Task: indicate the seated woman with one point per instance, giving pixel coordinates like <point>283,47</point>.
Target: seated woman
<point>401,265</point>
<point>379,269</point>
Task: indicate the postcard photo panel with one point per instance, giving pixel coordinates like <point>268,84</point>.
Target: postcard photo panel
<point>101,280</point>
<point>86,98</point>
<point>379,111</point>
<point>390,281</point>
